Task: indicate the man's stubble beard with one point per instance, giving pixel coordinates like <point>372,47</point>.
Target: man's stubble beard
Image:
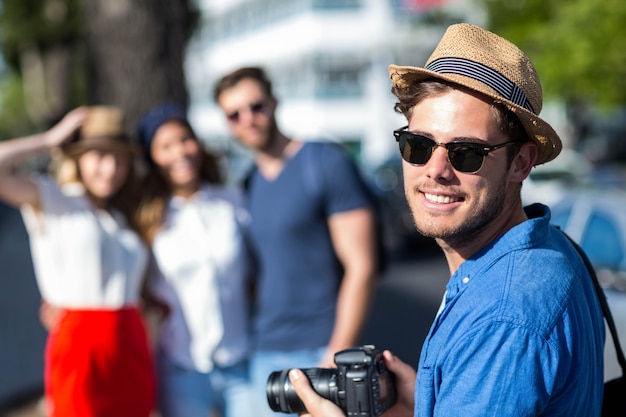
<point>476,222</point>
<point>271,134</point>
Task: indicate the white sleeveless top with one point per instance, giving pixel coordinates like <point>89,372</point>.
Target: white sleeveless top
<point>84,258</point>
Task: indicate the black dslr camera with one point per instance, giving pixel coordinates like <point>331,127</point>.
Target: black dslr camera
<point>361,385</point>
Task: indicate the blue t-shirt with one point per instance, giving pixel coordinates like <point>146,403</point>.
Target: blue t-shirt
<point>299,273</point>
<point>521,332</point>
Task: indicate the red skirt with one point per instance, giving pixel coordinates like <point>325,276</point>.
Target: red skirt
<point>98,364</point>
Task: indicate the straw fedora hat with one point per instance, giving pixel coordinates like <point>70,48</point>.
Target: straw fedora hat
<point>484,62</point>
<point>104,130</point>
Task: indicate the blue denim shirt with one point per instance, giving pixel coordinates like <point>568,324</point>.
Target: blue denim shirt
<point>521,332</point>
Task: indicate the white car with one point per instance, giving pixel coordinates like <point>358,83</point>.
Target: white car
<point>596,219</point>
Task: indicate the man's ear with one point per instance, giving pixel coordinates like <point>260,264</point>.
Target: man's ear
<point>523,162</point>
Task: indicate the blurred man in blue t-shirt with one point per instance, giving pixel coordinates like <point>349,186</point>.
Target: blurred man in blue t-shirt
<point>312,227</point>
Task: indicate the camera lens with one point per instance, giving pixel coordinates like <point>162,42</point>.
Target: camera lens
<point>283,398</point>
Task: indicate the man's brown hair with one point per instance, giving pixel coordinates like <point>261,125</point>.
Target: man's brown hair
<point>246,73</point>
<point>506,121</point>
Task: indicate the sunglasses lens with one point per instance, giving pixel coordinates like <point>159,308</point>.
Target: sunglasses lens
<point>257,107</point>
<point>465,157</point>
<point>415,149</point>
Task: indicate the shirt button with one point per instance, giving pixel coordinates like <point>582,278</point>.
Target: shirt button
<point>466,280</point>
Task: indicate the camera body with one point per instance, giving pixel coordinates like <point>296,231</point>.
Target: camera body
<point>361,385</point>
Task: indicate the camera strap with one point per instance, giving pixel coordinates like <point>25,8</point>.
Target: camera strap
<point>603,304</point>
<point>614,401</point>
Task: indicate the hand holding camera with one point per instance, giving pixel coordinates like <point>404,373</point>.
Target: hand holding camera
<point>315,404</point>
<point>363,384</point>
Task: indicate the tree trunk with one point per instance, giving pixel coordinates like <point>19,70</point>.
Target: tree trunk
<point>135,53</point>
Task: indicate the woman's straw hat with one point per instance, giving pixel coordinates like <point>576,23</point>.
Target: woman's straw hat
<point>489,64</point>
<point>103,130</point>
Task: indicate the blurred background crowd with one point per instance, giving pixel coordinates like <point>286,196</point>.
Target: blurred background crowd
<point>329,61</point>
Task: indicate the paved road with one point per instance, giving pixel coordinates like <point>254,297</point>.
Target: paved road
<point>406,302</point>
<point>22,337</point>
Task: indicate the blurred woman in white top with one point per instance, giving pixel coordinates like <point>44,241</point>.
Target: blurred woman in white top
<point>88,262</point>
<point>195,226</point>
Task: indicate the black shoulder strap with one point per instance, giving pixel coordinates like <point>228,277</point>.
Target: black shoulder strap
<point>603,304</point>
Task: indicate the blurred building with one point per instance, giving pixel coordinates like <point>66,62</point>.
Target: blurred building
<point>328,60</point>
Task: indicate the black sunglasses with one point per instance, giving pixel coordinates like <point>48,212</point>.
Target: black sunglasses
<point>465,157</point>
<point>255,108</point>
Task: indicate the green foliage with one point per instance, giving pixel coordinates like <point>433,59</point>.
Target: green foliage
<point>578,46</point>
<point>13,119</point>
<point>37,26</point>
<point>39,23</point>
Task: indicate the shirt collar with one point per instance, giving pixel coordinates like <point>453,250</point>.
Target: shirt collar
<point>525,235</point>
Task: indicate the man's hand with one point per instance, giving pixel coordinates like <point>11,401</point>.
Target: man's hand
<point>316,405</point>
<point>405,386</point>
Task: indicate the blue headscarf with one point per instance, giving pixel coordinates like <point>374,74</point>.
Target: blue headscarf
<point>154,118</point>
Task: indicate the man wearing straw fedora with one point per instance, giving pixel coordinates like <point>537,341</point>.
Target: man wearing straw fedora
<point>519,331</point>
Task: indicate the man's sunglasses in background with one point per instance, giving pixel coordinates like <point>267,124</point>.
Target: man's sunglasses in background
<point>255,108</point>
